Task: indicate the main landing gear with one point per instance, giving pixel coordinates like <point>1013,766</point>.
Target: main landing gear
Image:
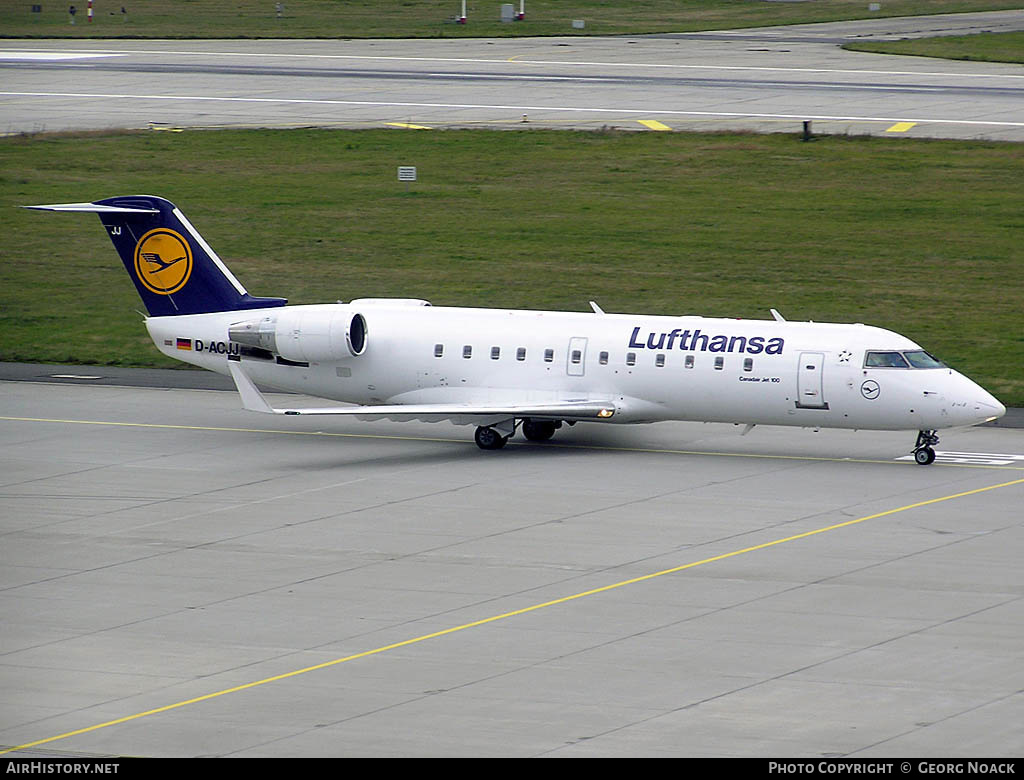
<point>540,430</point>
<point>924,455</point>
<point>491,438</point>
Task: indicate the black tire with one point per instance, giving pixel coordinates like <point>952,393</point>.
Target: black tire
<point>539,430</point>
<point>925,456</point>
<point>489,439</point>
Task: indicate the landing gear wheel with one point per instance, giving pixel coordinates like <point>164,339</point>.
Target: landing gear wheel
<point>489,439</point>
<point>539,430</point>
<point>924,456</point>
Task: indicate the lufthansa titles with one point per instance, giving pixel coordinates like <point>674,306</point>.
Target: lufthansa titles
<point>695,341</point>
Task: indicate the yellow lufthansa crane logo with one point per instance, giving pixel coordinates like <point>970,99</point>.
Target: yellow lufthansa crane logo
<point>163,261</point>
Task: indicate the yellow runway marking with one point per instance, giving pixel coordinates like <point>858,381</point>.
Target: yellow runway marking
<point>900,127</point>
<point>506,615</point>
<point>653,124</point>
<point>550,445</point>
<point>407,126</point>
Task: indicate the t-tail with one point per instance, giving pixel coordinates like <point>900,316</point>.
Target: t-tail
<point>174,269</point>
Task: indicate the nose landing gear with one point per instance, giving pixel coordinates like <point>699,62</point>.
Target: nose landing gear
<point>924,455</point>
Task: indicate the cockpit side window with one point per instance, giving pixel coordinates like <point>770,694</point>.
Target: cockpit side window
<point>885,360</point>
<point>920,359</point>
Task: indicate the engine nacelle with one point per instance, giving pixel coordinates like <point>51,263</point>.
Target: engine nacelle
<point>308,335</point>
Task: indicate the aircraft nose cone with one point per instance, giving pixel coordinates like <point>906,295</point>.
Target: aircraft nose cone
<point>972,404</point>
<point>994,409</point>
<point>986,407</point>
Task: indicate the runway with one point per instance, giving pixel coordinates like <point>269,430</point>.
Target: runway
<point>765,79</point>
<point>181,578</point>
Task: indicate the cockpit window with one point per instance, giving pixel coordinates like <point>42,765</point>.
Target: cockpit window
<point>920,359</point>
<point>885,360</point>
<point>911,358</point>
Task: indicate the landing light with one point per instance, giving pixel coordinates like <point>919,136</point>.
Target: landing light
<point>605,413</point>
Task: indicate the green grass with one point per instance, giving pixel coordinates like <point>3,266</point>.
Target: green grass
<point>432,18</point>
<point>986,47</point>
<point>923,237</point>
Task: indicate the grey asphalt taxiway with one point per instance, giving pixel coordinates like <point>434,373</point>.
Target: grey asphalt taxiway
<point>764,79</point>
<point>180,578</point>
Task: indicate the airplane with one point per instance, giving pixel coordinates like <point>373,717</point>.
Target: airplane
<point>535,371</point>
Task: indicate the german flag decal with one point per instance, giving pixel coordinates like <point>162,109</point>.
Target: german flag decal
<point>185,344</point>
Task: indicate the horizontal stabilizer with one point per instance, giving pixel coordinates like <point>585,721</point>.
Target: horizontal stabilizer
<point>91,208</point>
<point>254,401</point>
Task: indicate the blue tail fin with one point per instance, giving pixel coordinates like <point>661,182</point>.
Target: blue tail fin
<point>174,269</point>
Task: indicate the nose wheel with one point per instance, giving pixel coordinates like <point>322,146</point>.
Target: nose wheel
<point>924,455</point>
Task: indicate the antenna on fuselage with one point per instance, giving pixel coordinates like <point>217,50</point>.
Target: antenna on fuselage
<point>778,317</point>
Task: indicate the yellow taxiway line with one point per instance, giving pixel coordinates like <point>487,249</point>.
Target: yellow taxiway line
<point>504,615</point>
<point>550,445</point>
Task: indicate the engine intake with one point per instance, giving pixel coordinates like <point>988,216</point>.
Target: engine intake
<point>355,335</point>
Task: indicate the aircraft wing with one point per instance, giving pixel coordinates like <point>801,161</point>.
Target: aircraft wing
<point>254,401</point>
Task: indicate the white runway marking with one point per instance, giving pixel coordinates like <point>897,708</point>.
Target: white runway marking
<point>523,77</point>
<point>568,63</point>
<point>498,107</point>
<point>975,458</point>
<point>51,56</point>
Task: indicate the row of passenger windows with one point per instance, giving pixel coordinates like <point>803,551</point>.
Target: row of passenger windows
<point>576,357</point>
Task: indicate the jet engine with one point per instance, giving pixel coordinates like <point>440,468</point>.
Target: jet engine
<point>310,335</point>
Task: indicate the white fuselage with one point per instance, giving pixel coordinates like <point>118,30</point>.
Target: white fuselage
<point>651,367</point>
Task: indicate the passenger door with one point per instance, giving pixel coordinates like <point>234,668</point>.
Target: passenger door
<point>809,384</point>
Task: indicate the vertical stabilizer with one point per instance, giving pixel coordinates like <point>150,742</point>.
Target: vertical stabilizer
<point>172,266</point>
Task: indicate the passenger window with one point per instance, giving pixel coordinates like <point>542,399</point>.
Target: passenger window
<point>467,351</point>
<point>439,350</point>
<point>549,355</point>
<point>689,361</point>
<point>631,358</point>
<point>748,364</point>
<point>719,363</point>
<point>659,360</point>
<point>885,360</point>
<point>495,353</point>
<point>521,353</point>
<point>576,356</point>
<point>603,358</point>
